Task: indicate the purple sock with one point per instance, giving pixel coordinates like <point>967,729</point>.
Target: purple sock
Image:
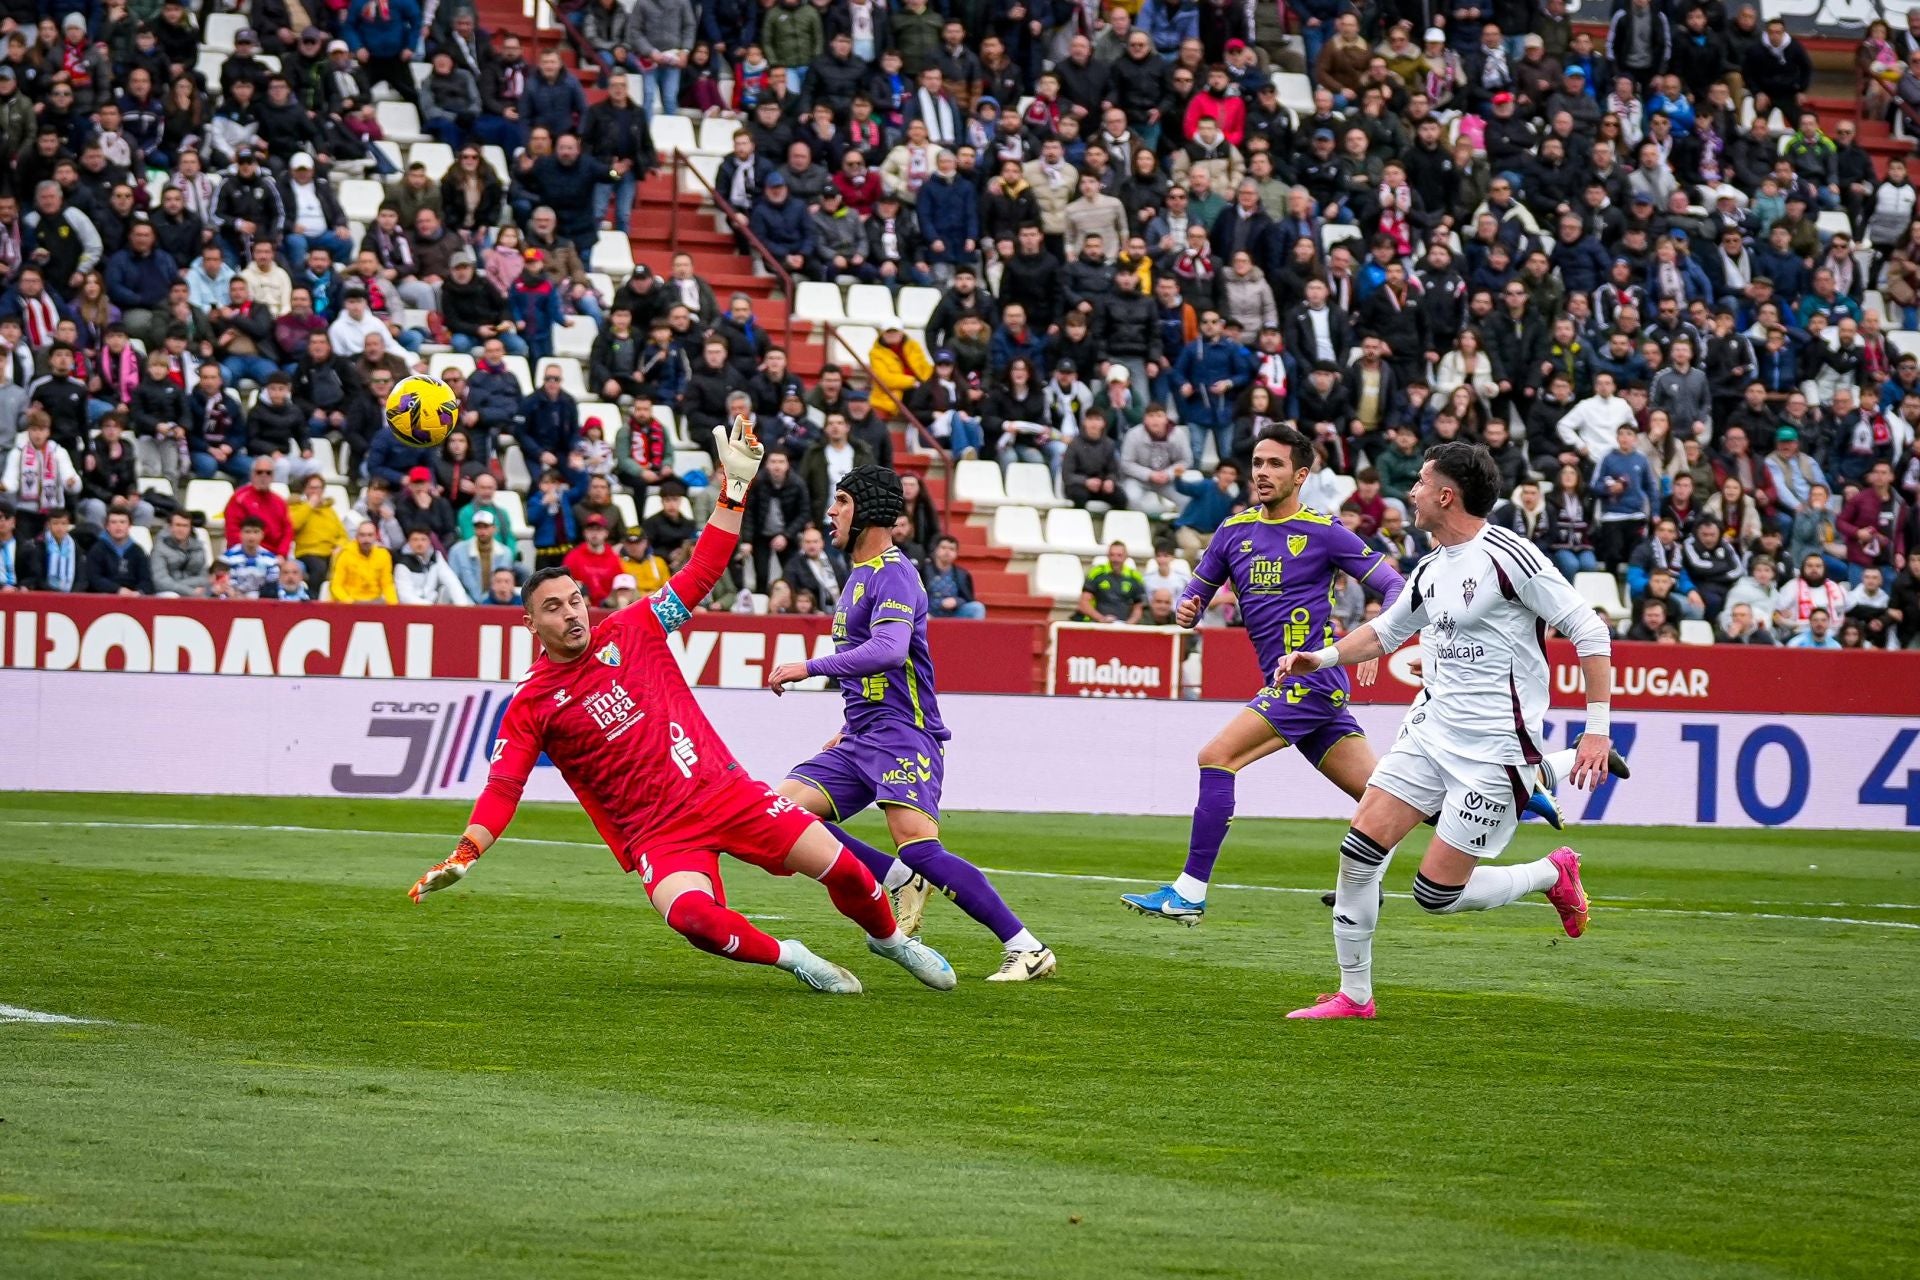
<point>875,861</point>
<point>963,882</point>
<point>1210,819</point>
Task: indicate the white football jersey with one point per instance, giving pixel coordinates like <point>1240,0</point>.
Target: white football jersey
<point>1482,609</point>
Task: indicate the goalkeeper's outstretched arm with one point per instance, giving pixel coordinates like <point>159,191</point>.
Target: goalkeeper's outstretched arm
<point>513,761</point>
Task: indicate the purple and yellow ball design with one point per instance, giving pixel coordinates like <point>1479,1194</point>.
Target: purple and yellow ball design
<point>422,411</point>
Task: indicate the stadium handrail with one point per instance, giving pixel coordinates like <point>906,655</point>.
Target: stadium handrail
<point>759,247</point>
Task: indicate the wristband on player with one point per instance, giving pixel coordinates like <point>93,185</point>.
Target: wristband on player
<point>1328,658</point>
<point>1599,720</point>
<point>727,503</point>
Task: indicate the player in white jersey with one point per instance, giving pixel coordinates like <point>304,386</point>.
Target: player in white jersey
<point>1482,602</point>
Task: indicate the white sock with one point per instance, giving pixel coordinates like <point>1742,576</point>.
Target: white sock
<point>1356,914</point>
<point>1495,886</point>
<point>898,873</point>
<point>790,953</point>
<point>1189,888</point>
<point>1022,941</point>
<point>1555,766</point>
<point>890,942</point>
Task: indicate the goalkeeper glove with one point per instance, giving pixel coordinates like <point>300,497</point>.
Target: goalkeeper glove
<point>739,452</point>
<point>442,874</point>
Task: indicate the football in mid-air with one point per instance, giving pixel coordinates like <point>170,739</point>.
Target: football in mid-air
<point>422,410</point>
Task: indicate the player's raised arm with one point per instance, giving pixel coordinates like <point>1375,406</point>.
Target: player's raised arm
<point>513,760</point>
<point>740,452</point>
<point>1553,598</point>
<point>1375,573</point>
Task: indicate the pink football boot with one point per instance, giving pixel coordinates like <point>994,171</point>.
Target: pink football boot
<point>1336,1005</point>
<point>1568,897</point>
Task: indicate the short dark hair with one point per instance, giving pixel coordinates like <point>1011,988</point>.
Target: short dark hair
<point>1298,447</point>
<point>1471,469</point>
<point>945,539</point>
<point>254,522</point>
<point>539,579</point>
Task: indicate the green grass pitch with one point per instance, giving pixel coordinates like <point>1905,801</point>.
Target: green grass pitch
<point>296,1071</point>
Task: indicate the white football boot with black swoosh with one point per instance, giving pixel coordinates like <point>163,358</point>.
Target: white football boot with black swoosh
<point>1025,966</point>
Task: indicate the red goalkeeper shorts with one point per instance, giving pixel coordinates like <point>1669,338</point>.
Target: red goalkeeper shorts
<point>745,818</point>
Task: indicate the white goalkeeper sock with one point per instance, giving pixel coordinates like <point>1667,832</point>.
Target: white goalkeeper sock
<point>1192,888</point>
<point>790,953</point>
<point>1555,766</point>
<point>897,874</point>
<point>1494,886</point>
<point>1356,913</point>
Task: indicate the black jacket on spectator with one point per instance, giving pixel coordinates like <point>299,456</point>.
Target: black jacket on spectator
<point>276,429</point>
<point>1035,283</point>
<point>953,307</point>
<point>109,571</point>
<point>770,509</point>
<point>466,307</point>
<point>705,402</point>
<point>1087,460</point>
<point>1298,333</point>
<point>31,565</point>
<point>105,475</point>
<point>154,403</point>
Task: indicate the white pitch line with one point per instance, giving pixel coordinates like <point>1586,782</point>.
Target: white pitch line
<point>1037,875</point>
<point>14,1013</point>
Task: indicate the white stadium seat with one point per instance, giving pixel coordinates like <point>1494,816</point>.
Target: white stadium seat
<point>323,458</point>
<point>916,305</point>
<point>671,134</point>
<point>1332,233</point>
<point>870,304</point>
<point>1696,631</point>
<point>510,505</point>
<point>707,167</point>
<point>1296,91</point>
<point>209,498</point>
<point>716,135</point>
<point>522,373</point>
<point>513,465</point>
<point>609,414</point>
<point>209,63</point>
<point>1018,529</point>
<point>399,122</point>
<point>360,198</point>
<point>1602,591</point>
<point>1834,222</point>
<point>978,482</point>
<point>1059,575</point>
<point>1070,529</point>
<point>688,462</point>
<point>1904,341</point>
<point>437,156</point>
<point>852,342</point>
<point>613,254</point>
<point>1032,483</point>
<point>142,538</point>
<point>623,502</point>
<point>343,507</point>
<point>221,29</point>
<point>497,157</point>
<point>574,339</point>
<point>818,302</point>
<point>1130,527</point>
<point>1344,485</point>
<point>437,365</point>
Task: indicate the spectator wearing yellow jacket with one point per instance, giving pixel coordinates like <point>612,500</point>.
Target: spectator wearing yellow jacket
<point>363,571</point>
<point>899,364</point>
<point>317,530</point>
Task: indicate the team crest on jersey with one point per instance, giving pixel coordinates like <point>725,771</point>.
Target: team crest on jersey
<point>1445,625</point>
<point>1296,543</point>
<point>609,656</point>
<point>1467,588</point>
<point>859,589</point>
<point>1246,545</point>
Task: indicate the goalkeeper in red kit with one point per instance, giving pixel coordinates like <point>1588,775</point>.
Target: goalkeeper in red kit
<point>608,705</point>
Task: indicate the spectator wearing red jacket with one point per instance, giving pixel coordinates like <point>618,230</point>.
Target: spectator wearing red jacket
<point>1217,100</point>
<point>594,564</point>
<point>259,499</point>
<point>1874,524</point>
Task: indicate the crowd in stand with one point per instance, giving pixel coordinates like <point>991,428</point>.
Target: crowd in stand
<point>1563,245</point>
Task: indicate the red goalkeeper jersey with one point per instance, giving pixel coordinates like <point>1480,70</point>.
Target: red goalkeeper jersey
<point>619,721</point>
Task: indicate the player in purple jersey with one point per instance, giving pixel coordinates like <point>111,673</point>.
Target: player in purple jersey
<point>1281,558</point>
<point>892,749</point>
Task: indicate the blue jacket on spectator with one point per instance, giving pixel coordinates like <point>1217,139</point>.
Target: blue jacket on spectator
<point>557,106</point>
<point>1203,363</point>
<point>1169,29</point>
<point>568,189</point>
<point>134,281</point>
<point>547,425</point>
<point>390,460</point>
<point>786,227</point>
<point>1625,372</point>
<point>557,528</point>
<point>1206,505</point>
<point>1693,282</point>
<point>382,37</point>
<point>1005,348</point>
<point>950,213</point>
<point>1788,273</point>
<point>538,308</point>
<point>1583,264</point>
<point>1636,497</point>
<point>494,394</point>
